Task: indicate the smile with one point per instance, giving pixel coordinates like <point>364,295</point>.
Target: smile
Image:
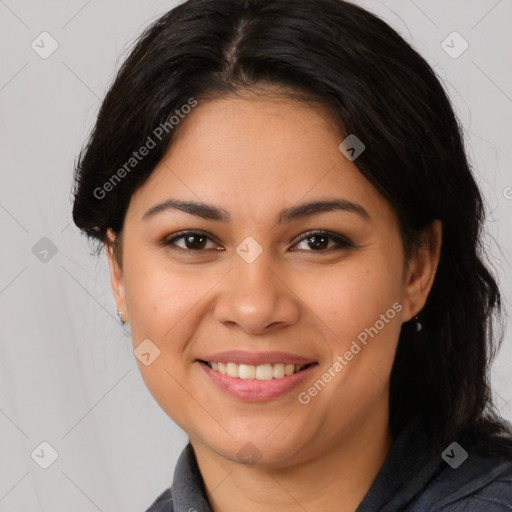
<point>259,382</point>
<point>259,372</point>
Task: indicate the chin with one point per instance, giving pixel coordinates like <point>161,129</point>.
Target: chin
<point>258,449</point>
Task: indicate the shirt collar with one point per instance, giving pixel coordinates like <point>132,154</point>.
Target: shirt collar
<point>188,492</point>
<point>407,472</point>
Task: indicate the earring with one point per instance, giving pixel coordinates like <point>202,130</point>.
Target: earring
<point>120,315</point>
<point>417,326</point>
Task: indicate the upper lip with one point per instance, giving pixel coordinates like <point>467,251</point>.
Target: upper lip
<point>255,358</point>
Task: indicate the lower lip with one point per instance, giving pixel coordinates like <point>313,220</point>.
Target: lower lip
<point>253,390</point>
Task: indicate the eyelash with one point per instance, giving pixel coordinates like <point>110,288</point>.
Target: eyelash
<point>341,241</point>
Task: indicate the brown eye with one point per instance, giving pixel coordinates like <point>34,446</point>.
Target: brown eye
<point>190,241</point>
<point>318,241</point>
<point>323,241</point>
<point>195,241</point>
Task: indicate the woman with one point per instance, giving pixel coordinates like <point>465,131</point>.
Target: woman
<point>293,231</point>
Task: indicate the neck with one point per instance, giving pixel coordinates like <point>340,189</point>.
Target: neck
<point>336,478</point>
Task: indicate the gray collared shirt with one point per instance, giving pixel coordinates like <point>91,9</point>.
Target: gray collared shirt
<point>409,481</point>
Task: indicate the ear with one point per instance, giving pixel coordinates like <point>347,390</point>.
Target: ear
<point>116,275</point>
<point>421,270</point>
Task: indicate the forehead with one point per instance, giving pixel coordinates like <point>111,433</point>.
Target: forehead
<point>257,154</point>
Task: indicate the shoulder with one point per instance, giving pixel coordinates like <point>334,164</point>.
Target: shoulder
<point>481,482</point>
<point>163,503</point>
<point>495,497</point>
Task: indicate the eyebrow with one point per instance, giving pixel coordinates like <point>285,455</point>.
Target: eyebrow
<point>287,215</point>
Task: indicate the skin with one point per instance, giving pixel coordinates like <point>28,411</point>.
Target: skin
<point>254,156</point>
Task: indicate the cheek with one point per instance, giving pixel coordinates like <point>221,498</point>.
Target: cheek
<point>161,299</point>
<point>359,305</point>
<point>163,304</point>
<point>354,296</point>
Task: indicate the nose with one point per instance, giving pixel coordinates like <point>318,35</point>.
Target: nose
<point>256,298</point>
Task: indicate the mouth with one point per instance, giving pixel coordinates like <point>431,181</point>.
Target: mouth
<point>256,377</point>
<point>263,372</point>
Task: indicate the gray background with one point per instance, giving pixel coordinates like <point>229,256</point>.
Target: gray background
<point>67,372</point>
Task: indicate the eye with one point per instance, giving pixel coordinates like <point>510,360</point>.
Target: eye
<point>313,241</point>
<point>190,241</point>
<point>323,241</point>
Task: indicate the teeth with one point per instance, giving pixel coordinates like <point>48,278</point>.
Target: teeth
<point>278,370</point>
<point>246,371</point>
<point>264,372</point>
<point>232,370</point>
<point>260,372</point>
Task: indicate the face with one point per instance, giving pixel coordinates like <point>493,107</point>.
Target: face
<point>256,242</point>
